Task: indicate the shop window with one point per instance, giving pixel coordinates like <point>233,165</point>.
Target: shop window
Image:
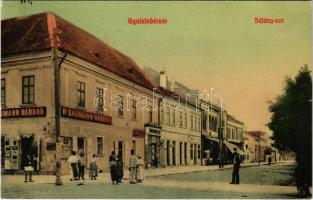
<point>28,85</point>
<point>100,146</point>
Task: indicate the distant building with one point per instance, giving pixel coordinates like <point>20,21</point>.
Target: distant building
<point>180,122</point>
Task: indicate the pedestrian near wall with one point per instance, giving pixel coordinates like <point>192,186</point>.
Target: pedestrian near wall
<point>28,169</point>
<point>269,160</point>
<point>93,167</point>
<point>236,162</point>
<point>113,168</point>
<point>132,167</point>
<point>73,162</point>
<point>81,166</point>
<point>120,172</point>
<point>140,168</point>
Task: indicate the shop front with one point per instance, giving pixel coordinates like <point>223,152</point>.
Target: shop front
<point>152,146</point>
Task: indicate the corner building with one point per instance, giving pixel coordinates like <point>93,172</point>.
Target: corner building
<point>106,102</point>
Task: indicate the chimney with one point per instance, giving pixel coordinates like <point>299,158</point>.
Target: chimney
<point>163,79</point>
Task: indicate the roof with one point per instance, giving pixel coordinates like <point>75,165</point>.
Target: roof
<point>45,31</point>
<point>174,96</point>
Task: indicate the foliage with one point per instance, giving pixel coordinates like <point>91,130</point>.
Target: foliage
<point>291,120</point>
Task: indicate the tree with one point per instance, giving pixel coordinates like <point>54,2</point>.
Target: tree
<point>291,123</point>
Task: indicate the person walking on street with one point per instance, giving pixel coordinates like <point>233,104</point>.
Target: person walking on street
<point>235,175</point>
<point>113,168</point>
<point>269,160</point>
<point>140,168</point>
<point>73,161</point>
<point>28,169</point>
<point>81,166</point>
<point>221,161</point>
<point>132,167</point>
<point>93,167</point>
<point>120,172</point>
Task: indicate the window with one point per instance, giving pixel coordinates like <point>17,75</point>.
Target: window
<point>100,99</point>
<point>174,122</point>
<point>191,122</point>
<point>28,89</point>
<point>199,127</point>
<point>120,106</point>
<point>181,119</point>
<point>191,151</point>
<point>196,127</point>
<point>80,94</point>
<point>162,114</point>
<point>185,120</point>
<point>168,115</point>
<point>134,109</point>
<point>2,91</point>
<point>150,114</point>
<point>100,146</point>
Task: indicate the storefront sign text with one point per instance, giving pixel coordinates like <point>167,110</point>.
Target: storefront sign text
<point>23,112</point>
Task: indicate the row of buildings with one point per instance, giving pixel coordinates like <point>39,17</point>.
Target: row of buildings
<point>62,89</point>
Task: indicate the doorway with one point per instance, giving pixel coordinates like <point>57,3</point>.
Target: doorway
<point>120,150</point>
<point>27,149</point>
<point>181,153</point>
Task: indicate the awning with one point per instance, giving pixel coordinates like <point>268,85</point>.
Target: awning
<point>213,139</point>
<point>232,147</point>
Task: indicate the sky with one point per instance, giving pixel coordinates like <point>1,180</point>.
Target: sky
<point>204,44</point>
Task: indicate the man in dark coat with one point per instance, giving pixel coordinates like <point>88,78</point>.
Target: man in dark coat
<point>119,164</point>
<point>113,168</point>
<point>235,175</point>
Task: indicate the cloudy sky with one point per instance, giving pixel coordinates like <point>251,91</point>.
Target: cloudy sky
<point>204,45</point>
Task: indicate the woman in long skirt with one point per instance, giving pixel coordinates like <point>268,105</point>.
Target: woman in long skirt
<point>140,168</point>
<point>93,167</point>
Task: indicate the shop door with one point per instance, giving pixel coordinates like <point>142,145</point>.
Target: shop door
<point>81,147</point>
<point>120,150</point>
<point>180,153</point>
<point>26,150</point>
<point>174,153</point>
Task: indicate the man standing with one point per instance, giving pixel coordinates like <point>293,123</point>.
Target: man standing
<point>235,175</point>
<point>73,161</point>
<point>132,167</point>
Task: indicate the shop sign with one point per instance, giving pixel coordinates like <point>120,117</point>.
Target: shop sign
<point>23,112</point>
<point>138,133</point>
<point>86,116</point>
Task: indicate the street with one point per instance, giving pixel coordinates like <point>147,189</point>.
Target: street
<point>263,181</point>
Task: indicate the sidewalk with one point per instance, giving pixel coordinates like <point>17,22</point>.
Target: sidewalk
<point>105,177</point>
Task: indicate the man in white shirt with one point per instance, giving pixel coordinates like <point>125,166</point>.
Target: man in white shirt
<point>73,160</point>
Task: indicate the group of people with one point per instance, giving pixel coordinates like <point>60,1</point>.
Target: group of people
<point>78,165</point>
<point>116,168</point>
<point>136,167</point>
